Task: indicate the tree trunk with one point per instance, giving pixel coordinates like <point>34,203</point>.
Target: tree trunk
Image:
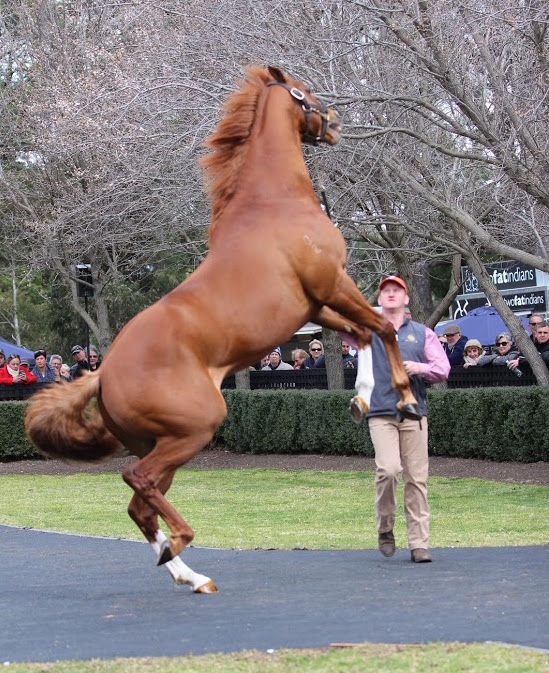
<point>15,321</point>
<point>423,288</point>
<point>102,329</point>
<point>242,379</point>
<point>334,362</point>
<point>453,291</point>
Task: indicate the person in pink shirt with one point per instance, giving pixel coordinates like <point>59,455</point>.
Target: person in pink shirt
<point>400,444</point>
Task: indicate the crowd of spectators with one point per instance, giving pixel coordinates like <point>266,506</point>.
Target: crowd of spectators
<point>314,359</point>
<point>462,351</point>
<point>17,370</point>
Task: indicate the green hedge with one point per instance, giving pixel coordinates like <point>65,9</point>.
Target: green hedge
<point>13,441</point>
<point>500,424</point>
<point>507,423</point>
<point>292,421</point>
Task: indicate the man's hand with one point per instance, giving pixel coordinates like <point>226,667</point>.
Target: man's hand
<point>411,367</point>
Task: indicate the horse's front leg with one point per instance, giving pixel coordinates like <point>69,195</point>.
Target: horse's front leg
<point>147,521</point>
<point>360,331</point>
<point>364,385</point>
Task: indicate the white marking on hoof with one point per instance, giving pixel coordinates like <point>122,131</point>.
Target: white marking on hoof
<point>365,382</point>
<point>181,572</point>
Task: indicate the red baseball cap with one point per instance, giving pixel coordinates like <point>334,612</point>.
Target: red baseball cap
<point>393,279</point>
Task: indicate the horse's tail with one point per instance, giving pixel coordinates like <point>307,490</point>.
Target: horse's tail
<point>60,425</point>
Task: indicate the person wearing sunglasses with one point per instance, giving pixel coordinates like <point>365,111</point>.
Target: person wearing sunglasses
<point>505,352</point>
<point>94,358</point>
<point>349,361</point>
<point>455,344</point>
<point>316,350</point>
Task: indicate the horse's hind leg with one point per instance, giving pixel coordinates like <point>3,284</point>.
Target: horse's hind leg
<point>150,478</point>
<point>147,521</point>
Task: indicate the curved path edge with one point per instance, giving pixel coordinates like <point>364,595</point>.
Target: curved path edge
<point>69,597</point>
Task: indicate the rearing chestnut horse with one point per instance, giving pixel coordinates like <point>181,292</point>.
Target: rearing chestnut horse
<point>275,261</point>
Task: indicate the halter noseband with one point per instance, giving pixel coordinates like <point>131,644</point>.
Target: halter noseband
<point>307,137</point>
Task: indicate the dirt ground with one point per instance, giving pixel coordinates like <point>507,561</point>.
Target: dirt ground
<point>215,459</point>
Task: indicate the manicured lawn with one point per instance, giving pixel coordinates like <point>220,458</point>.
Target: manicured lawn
<point>439,658</point>
<point>260,508</point>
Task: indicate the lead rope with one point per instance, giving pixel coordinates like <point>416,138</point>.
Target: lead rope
<point>319,185</point>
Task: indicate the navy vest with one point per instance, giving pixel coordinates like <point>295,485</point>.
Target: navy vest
<point>411,344</point>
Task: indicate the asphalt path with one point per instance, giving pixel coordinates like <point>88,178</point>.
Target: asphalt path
<point>65,597</point>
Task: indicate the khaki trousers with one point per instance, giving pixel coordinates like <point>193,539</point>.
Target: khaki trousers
<point>401,447</point>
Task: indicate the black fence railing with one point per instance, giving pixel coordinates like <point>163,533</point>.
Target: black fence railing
<point>477,377</point>
<point>473,377</point>
<point>19,391</point>
<point>297,378</point>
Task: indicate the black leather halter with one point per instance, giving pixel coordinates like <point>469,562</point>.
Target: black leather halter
<point>322,111</point>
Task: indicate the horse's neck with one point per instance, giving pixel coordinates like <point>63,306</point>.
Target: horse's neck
<point>275,161</point>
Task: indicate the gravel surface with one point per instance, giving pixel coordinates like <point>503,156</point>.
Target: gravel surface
<point>215,459</point>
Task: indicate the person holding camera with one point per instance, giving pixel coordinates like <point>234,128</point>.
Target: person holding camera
<point>13,374</point>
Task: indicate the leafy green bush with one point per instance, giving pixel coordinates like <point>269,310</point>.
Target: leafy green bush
<point>292,421</point>
<point>504,423</point>
<point>500,424</point>
<point>13,441</point>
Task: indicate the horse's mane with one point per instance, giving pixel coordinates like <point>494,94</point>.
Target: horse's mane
<point>228,141</point>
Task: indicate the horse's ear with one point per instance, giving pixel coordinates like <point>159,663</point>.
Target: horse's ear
<point>277,74</point>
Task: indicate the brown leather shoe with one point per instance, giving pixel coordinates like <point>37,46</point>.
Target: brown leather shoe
<point>420,556</point>
<point>386,543</point>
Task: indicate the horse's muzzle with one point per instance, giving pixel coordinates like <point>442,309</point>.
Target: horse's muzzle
<point>333,132</point>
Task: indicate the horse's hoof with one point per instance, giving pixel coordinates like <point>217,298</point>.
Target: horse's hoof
<point>208,588</point>
<point>410,411</point>
<point>165,554</point>
<point>358,409</point>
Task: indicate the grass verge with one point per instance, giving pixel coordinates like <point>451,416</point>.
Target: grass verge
<point>442,658</point>
<point>259,508</point>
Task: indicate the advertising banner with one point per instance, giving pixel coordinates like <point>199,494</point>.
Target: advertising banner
<point>533,300</point>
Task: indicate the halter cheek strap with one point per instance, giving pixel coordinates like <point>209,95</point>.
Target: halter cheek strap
<point>321,111</point>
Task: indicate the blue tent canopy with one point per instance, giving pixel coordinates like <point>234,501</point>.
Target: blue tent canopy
<point>481,323</point>
<point>10,348</point>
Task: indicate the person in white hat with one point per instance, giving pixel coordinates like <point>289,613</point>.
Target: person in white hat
<point>472,352</point>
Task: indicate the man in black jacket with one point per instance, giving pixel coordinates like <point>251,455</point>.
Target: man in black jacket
<point>81,365</point>
<point>541,342</point>
<point>455,344</point>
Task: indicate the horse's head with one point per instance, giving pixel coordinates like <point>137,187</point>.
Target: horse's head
<point>320,123</point>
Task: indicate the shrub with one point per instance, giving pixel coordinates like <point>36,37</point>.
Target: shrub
<point>13,441</point>
<point>500,423</point>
